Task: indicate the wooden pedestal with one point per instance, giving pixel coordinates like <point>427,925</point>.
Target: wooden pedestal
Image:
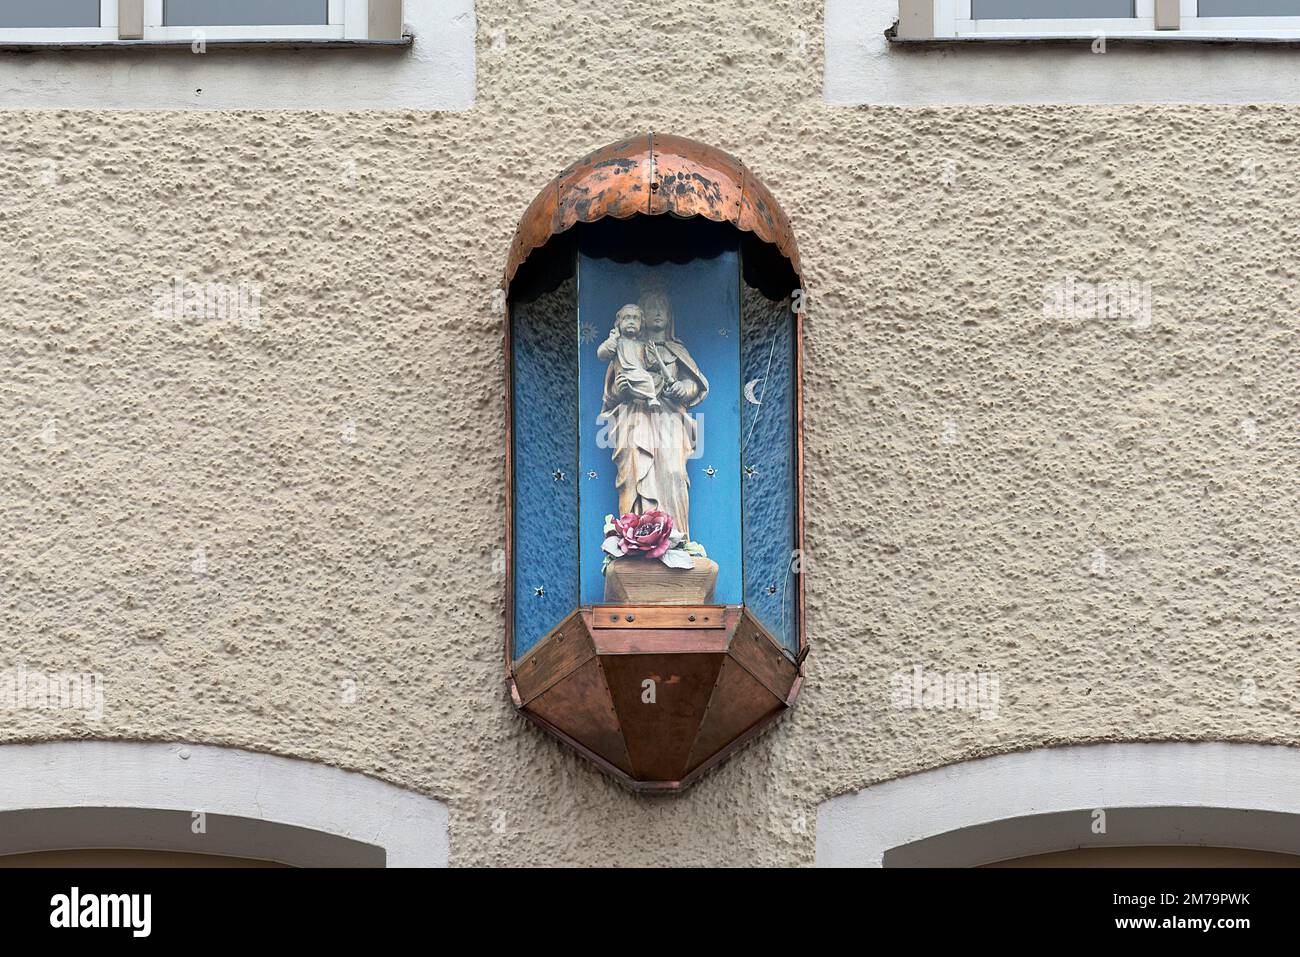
<point>647,581</point>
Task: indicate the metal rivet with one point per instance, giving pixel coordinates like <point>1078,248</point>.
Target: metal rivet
<point>557,475</point>
<point>540,592</point>
<point>690,617</point>
<point>771,589</point>
<point>631,617</point>
<point>710,471</point>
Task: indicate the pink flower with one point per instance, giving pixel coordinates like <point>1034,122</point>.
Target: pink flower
<point>645,535</point>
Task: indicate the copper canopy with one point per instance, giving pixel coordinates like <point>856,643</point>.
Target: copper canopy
<point>652,175</point>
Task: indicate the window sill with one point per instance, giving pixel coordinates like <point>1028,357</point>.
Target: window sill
<point>62,46</point>
<point>1151,37</point>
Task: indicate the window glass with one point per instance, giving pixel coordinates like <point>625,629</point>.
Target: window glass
<point>1051,9</point>
<point>237,13</point>
<point>768,461</point>
<point>49,13</point>
<point>1249,8</point>
<point>690,316</point>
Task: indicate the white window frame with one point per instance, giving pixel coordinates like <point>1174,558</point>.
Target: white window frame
<point>106,32</point>
<point>348,20</point>
<point>952,20</point>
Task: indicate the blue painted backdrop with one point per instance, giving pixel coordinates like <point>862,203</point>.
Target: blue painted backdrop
<point>545,463</point>
<point>706,312</point>
<point>768,446</point>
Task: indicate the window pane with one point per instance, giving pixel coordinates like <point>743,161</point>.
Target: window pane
<point>1051,9</point>
<point>767,450</point>
<point>1249,8</point>
<point>242,13</point>
<point>49,13</point>
<point>698,292</point>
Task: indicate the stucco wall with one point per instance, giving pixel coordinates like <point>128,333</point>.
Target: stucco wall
<point>1101,513</point>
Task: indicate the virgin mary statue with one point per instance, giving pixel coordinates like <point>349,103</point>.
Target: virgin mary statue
<point>652,445</point>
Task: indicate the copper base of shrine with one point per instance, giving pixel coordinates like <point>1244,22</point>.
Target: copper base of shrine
<point>656,695</point>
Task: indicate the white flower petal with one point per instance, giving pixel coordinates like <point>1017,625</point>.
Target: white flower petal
<point>676,558</point>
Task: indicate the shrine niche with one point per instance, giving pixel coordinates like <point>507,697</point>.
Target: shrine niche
<point>655,615</point>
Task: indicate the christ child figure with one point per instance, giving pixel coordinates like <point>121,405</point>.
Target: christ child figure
<point>635,356</point>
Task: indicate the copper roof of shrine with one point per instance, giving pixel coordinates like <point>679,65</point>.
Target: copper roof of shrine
<point>651,175</point>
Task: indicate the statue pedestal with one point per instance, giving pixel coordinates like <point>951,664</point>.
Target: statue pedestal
<point>641,581</point>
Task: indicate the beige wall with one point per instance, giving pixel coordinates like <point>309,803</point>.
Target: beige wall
<point>967,458</point>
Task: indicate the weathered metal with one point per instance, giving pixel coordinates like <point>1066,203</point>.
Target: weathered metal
<point>652,175</point>
<point>656,708</point>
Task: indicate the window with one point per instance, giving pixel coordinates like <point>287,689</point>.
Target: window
<point>1049,9</point>
<point>234,13</point>
<point>26,22</point>
<point>1115,19</point>
<point>250,19</point>
<point>52,13</point>
<point>58,21</point>
<point>1250,8</point>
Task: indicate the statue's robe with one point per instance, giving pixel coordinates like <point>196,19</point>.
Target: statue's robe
<point>651,448</point>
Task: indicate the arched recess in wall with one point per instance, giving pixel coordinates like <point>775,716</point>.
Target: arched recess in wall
<point>202,799</point>
<point>1012,806</point>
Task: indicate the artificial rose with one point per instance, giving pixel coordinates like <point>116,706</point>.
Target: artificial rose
<point>646,536</point>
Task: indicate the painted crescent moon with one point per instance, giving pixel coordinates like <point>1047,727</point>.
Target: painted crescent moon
<point>749,391</point>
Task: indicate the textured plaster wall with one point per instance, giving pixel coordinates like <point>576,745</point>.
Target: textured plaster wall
<point>1101,515</point>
